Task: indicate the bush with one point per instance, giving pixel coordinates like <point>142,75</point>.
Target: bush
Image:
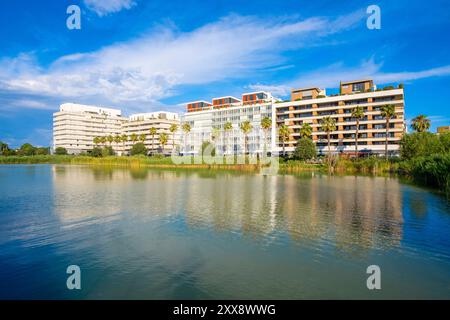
<point>138,148</point>
<point>433,170</point>
<point>96,152</point>
<point>61,151</point>
<point>26,150</point>
<point>444,140</point>
<point>305,150</point>
<point>420,144</point>
<point>42,151</point>
<point>107,151</point>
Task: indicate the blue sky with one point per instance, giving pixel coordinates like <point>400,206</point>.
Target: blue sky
<point>141,55</point>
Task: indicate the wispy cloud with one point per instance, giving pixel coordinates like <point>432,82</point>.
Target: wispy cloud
<point>144,70</point>
<point>105,7</point>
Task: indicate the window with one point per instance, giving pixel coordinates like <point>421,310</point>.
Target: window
<point>358,87</point>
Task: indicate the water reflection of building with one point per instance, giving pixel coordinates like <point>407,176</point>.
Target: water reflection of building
<point>349,210</point>
<point>352,212</point>
<point>85,195</point>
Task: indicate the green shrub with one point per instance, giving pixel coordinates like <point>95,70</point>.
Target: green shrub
<point>419,144</point>
<point>26,150</point>
<point>107,151</point>
<point>96,152</point>
<point>41,151</point>
<point>61,151</point>
<point>433,170</point>
<point>305,150</point>
<point>444,140</point>
<point>138,148</point>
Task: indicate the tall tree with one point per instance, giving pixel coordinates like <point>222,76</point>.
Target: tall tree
<point>306,131</point>
<point>283,133</point>
<point>153,132</point>
<point>163,138</point>
<point>421,123</point>
<point>328,125</point>
<point>246,127</point>
<point>173,129</point>
<point>123,138</point>
<point>357,114</point>
<point>134,138</point>
<point>110,139</point>
<point>266,125</point>
<point>103,140</point>
<point>142,137</point>
<point>186,129</point>
<point>228,126</point>
<point>97,141</point>
<point>387,112</point>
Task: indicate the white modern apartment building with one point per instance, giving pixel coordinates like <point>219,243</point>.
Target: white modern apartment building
<point>207,122</point>
<point>76,125</point>
<point>141,123</point>
<point>307,105</point>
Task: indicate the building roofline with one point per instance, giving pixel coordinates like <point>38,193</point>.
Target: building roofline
<point>226,97</point>
<point>196,101</point>
<point>356,81</point>
<point>266,92</point>
<point>304,89</point>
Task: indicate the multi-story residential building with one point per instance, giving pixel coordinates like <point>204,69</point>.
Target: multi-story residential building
<point>311,105</point>
<point>142,123</point>
<point>208,123</point>
<point>443,129</point>
<point>75,126</point>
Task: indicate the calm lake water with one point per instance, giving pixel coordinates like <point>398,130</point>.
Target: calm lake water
<point>150,234</point>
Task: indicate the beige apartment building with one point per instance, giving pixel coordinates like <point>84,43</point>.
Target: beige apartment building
<point>311,105</point>
<point>76,125</point>
<point>142,123</point>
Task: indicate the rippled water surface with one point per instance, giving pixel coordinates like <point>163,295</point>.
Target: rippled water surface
<point>174,234</point>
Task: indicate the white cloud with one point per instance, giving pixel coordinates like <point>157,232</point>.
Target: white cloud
<point>105,7</point>
<point>147,69</point>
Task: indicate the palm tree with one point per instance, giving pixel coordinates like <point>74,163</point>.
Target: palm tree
<point>328,125</point>
<point>215,133</point>
<point>173,128</point>
<point>186,129</point>
<point>134,137</point>
<point>358,114</point>
<point>420,123</point>
<point>306,131</point>
<point>97,141</point>
<point>153,131</point>
<point>103,140</point>
<point>142,137</point>
<point>124,138</point>
<point>246,127</point>
<point>266,125</point>
<point>228,126</point>
<point>283,133</point>
<point>117,139</point>
<point>387,112</point>
<point>163,138</point>
<point>110,139</point>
